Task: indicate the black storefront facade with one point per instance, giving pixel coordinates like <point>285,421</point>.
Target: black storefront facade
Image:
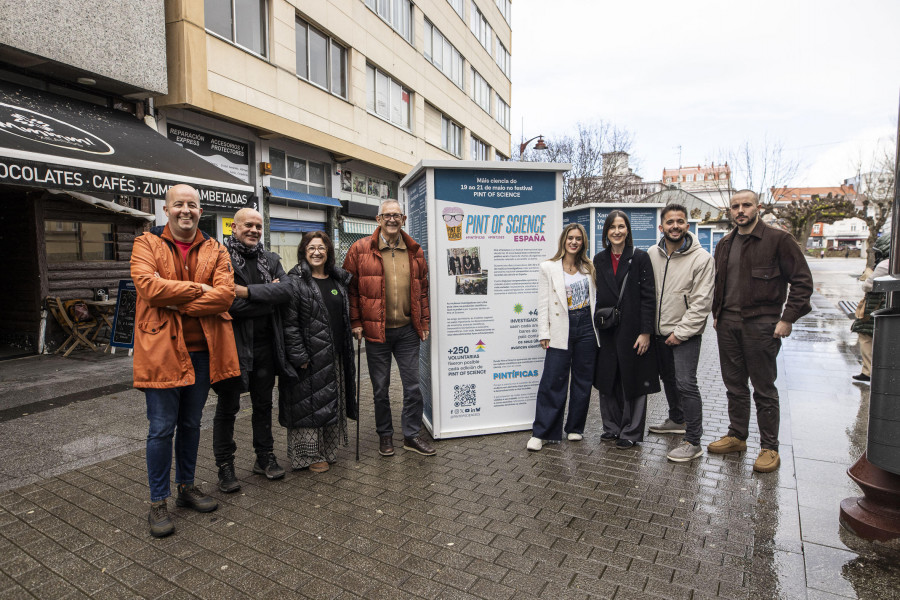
<point>77,184</point>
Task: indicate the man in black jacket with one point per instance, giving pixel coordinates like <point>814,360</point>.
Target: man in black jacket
<point>260,346</point>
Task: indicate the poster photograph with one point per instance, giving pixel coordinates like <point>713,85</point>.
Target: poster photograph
<point>490,230</point>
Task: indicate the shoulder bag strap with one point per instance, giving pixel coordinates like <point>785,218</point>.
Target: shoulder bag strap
<point>622,290</point>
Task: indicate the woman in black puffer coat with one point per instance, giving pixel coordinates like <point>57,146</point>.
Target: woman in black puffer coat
<point>317,341</point>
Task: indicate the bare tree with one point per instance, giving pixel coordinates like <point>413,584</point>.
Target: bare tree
<point>874,183</point>
<point>757,166</point>
<point>597,152</point>
<point>799,216</point>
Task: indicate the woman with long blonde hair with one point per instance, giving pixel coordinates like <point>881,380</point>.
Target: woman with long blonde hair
<point>566,299</point>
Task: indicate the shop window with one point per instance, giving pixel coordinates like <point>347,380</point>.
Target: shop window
<point>240,21</point>
<point>387,98</point>
<point>354,184</point>
<point>396,13</point>
<point>77,241</point>
<point>320,60</point>
<point>297,174</point>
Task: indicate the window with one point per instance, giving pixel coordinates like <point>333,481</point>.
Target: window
<point>502,115</point>
<point>70,241</point>
<point>502,58</point>
<point>397,14</point>
<point>451,136</point>
<point>387,98</point>
<point>689,178</point>
<point>500,157</point>
<point>481,91</point>
<point>320,60</point>
<point>479,26</point>
<point>240,21</point>
<point>457,6</point>
<point>479,149</point>
<point>297,174</point>
<point>505,10</point>
<point>443,55</point>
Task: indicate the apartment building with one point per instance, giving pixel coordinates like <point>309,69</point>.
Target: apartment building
<point>322,106</point>
<point>711,183</point>
<point>79,167</point>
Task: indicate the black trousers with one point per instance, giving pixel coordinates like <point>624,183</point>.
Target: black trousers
<point>747,351</point>
<point>623,416</point>
<point>262,382</point>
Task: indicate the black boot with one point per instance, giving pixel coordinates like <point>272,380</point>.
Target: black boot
<point>228,483</point>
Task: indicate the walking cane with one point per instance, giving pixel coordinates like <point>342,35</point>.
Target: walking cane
<point>358,407</point>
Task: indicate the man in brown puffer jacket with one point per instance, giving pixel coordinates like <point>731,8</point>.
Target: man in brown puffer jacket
<point>389,306</point>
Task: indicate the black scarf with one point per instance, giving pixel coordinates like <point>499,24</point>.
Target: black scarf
<point>238,251</point>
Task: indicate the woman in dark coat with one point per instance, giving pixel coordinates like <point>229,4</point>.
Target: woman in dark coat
<point>316,404</point>
<point>625,370</point>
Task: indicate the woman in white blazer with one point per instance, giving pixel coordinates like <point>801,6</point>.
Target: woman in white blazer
<point>566,298</point>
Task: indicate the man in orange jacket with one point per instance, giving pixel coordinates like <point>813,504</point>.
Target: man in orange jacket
<point>183,342</point>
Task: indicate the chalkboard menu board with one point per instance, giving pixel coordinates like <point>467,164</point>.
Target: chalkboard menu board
<point>123,322</point>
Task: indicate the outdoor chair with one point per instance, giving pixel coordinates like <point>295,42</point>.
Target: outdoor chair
<point>77,330</point>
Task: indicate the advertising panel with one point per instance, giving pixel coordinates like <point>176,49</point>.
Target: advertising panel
<point>229,155</point>
<point>491,229</point>
<point>704,237</point>
<point>644,225</point>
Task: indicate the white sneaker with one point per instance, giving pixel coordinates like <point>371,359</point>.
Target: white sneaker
<point>535,444</point>
<point>575,437</point>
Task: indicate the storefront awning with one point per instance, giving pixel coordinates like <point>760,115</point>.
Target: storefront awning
<point>358,226</point>
<point>281,194</point>
<point>51,141</point>
<point>107,205</point>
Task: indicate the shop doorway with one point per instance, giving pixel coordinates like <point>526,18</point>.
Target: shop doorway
<point>208,226</point>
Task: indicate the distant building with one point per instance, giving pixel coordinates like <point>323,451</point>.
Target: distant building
<point>789,194</point>
<point>850,233</point>
<point>618,183</point>
<point>711,183</point>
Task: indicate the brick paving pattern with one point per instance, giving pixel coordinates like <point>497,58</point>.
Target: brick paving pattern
<point>482,519</point>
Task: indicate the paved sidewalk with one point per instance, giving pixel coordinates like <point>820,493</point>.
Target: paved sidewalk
<point>482,519</point>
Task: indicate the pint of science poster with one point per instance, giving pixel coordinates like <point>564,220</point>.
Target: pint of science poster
<point>490,230</point>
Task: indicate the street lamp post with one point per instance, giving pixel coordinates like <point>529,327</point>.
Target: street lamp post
<point>876,514</point>
<point>541,145</point>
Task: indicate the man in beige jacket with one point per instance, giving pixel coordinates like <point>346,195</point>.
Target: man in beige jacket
<point>685,275</point>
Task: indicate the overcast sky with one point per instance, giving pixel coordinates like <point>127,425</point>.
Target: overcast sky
<point>820,76</point>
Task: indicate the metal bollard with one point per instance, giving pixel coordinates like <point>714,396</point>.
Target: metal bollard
<point>883,448</point>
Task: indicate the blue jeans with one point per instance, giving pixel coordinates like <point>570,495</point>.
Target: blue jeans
<point>403,344</point>
<point>678,371</point>
<point>577,359</point>
<point>175,412</point>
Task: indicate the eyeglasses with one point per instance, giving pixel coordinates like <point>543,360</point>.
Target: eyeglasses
<point>391,216</point>
<point>453,218</point>
<point>316,249</point>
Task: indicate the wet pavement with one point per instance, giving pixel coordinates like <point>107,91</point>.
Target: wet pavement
<point>482,519</point>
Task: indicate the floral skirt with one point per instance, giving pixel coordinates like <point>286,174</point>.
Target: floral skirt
<point>308,445</point>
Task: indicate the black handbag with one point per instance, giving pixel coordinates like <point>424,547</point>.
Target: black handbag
<point>608,317</point>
